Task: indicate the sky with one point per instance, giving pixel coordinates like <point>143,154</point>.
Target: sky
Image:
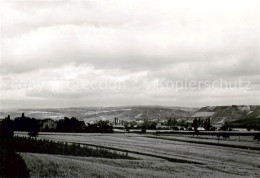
<point>129,52</point>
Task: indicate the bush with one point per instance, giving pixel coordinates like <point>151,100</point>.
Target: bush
<point>175,128</point>
<point>33,134</point>
<point>257,137</point>
<point>10,160</point>
<point>213,129</point>
<point>143,129</point>
<point>226,135</point>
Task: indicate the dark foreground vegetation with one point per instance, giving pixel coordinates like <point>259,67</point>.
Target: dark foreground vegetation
<point>71,125</point>
<point>34,145</point>
<point>12,165</point>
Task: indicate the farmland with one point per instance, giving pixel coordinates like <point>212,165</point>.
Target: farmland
<point>158,157</point>
<point>69,166</point>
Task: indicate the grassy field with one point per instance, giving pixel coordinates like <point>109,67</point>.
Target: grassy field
<point>69,166</point>
<point>215,161</point>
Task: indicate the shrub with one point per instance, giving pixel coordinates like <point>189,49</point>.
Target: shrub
<point>257,137</point>
<point>33,133</point>
<point>175,128</point>
<point>10,160</point>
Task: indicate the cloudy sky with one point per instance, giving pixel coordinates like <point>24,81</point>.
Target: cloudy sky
<point>126,52</point>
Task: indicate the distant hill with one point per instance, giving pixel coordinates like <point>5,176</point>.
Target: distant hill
<point>235,114</point>
<point>231,114</point>
<point>105,113</point>
<point>250,120</point>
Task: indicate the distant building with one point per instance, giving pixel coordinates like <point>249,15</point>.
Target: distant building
<point>48,124</point>
<point>200,129</point>
<point>118,127</point>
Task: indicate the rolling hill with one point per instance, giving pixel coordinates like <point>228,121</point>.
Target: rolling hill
<point>243,114</point>
<point>231,114</point>
<point>89,114</point>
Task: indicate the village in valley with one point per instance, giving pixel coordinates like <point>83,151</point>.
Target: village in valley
<point>167,141</point>
<point>147,118</point>
<point>130,88</point>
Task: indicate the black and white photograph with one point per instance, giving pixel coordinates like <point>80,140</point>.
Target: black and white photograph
<point>130,88</point>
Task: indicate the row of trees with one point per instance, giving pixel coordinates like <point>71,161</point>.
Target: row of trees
<point>32,126</point>
<point>173,123</point>
<point>74,125</point>
<point>201,123</point>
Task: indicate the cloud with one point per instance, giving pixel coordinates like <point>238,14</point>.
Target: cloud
<point>134,42</point>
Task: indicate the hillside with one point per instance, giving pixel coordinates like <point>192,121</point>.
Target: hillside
<point>105,113</point>
<point>245,114</point>
<point>250,120</point>
<point>231,114</point>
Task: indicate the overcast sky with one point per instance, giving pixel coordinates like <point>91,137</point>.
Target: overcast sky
<point>126,52</point>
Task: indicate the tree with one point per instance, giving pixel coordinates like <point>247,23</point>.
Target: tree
<point>224,127</point>
<point>100,127</point>
<point>104,127</point>
<point>26,124</point>
<point>143,129</point>
<point>207,125</point>
<point>199,122</point>
<point>171,122</point>
<point>182,123</point>
<point>126,125</point>
<point>70,125</point>
<point>153,125</point>
<point>7,128</point>
<point>144,126</point>
<point>195,124</point>
<point>257,137</point>
<point>33,128</point>
<point>132,124</point>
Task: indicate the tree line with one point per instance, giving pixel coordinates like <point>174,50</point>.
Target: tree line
<point>33,126</point>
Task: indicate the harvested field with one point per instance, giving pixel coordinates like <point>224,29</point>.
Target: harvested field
<point>198,159</point>
<point>69,166</point>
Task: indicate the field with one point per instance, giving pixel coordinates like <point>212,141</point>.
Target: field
<point>69,166</point>
<point>159,157</point>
